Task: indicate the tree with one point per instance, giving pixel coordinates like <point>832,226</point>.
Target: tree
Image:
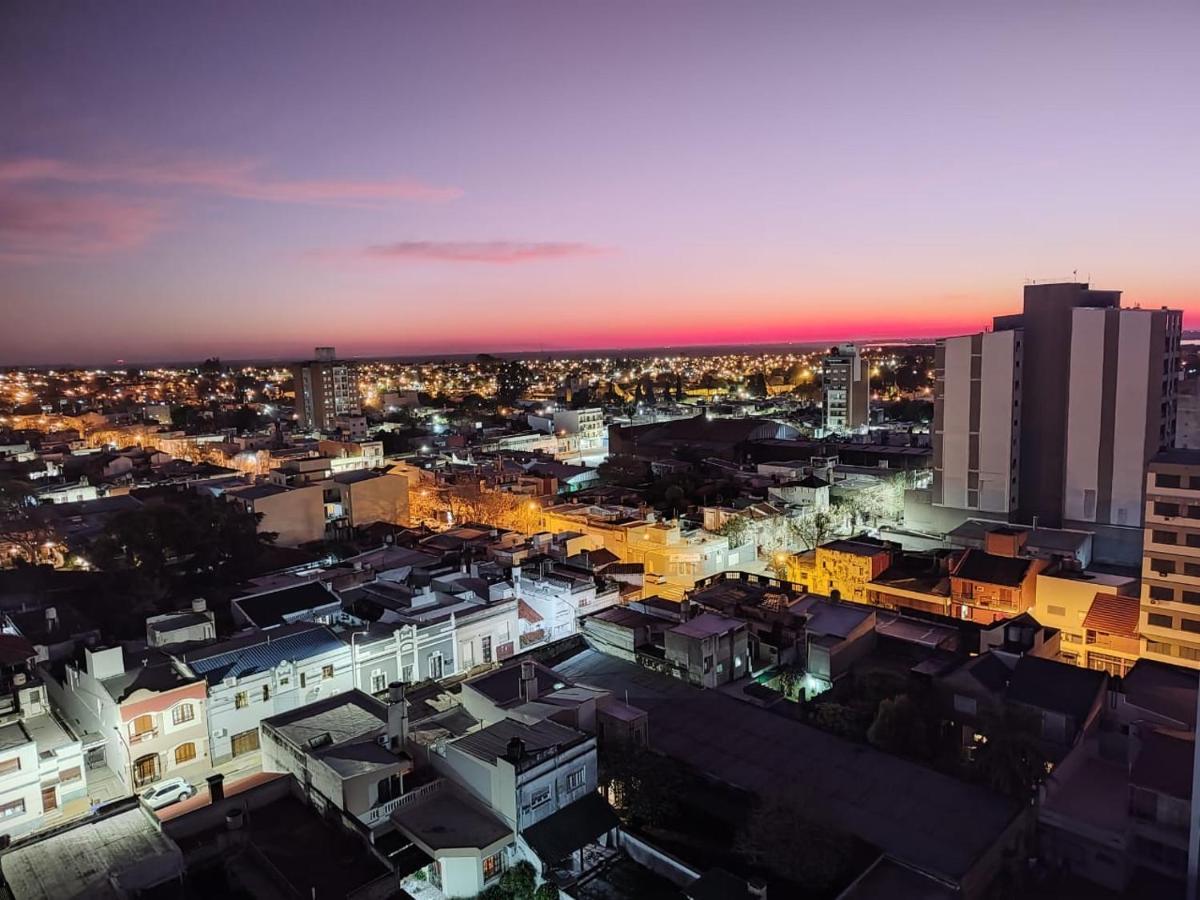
<point>679,388</point>
<point>1011,761</point>
<point>813,529</point>
<point>757,385</point>
<point>519,880</point>
<point>787,834</point>
<point>24,529</point>
<point>736,529</point>
<point>512,381</point>
<point>900,728</point>
<point>650,398</point>
<point>623,471</point>
<point>546,891</point>
<point>642,785</point>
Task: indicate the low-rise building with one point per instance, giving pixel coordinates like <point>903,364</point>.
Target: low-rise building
<point>709,650</point>
<point>148,715</point>
<point>256,676</point>
<point>296,515</point>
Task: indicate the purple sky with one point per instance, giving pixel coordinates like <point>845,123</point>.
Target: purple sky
<point>186,179</point>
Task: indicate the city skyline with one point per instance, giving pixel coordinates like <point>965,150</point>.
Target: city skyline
<point>178,183</point>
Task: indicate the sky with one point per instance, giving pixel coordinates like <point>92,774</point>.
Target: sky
<point>181,180</point>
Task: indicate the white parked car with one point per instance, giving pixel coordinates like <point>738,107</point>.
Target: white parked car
<point>166,792</point>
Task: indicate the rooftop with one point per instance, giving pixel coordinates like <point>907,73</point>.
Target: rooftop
<point>976,565</point>
<point>707,625</point>
<point>1059,687</point>
<point>1113,614</point>
<point>915,814</point>
<point>491,743</point>
<point>269,608</point>
<point>261,651</point>
<point>448,820</point>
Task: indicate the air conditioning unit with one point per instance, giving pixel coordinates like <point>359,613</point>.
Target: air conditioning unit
<point>220,732</point>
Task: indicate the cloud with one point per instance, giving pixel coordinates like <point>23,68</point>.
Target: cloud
<point>489,252</point>
<point>242,179</point>
<point>37,227</point>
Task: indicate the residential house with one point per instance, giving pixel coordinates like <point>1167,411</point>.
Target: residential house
<point>195,626</point>
<point>709,650</point>
<point>296,515</point>
<point>1063,598</point>
<point>255,676</point>
<point>148,714</point>
<point>843,568</point>
<point>347,753</point>
<point>985,587</point>
<point>42,777</point>
<point>310,601</point>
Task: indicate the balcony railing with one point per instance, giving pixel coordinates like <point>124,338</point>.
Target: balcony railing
<point>143,736</point>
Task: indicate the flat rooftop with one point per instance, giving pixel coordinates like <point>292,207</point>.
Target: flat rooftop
<point>914,814</point>
<point>78,862</point>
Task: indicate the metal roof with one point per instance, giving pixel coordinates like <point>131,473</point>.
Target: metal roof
<point>267,653</point>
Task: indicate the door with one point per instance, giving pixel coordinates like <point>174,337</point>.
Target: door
<point>246,742</point>
<point>145,770</point>
<point>49,799</point>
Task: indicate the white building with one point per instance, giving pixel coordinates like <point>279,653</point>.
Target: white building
<point>254,677</point>
<point>587,424</point>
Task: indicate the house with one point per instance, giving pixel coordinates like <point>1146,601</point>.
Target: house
<point>985,587</point>
<point>1120,802</point>
<point>195,626</point>
<point>1063,597</point>
<point>149,714</point>
<point>843,568</point>
<point>347,753</point>
<point>42,775</point>
<point>312,601</point>
<point>362,497</point>
<point>709,650</point>
<point>296,515</point>
<point>258,675</point>
<point>836,635</point>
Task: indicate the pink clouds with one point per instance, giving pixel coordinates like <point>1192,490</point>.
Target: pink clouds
<point>35,227</point>
<point>240,179</point>
<point>488,252</point>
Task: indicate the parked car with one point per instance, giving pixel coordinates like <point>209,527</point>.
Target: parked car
<point>166,792</point>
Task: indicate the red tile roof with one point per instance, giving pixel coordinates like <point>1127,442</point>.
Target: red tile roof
<point>528,613</point>
<point>1113,614</point>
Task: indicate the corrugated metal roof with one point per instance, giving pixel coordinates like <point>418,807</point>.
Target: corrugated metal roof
<point>267,654</point>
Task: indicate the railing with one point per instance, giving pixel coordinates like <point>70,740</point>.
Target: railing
<point>143,736</point>
<point>413,796</point>
<point>380,811</point>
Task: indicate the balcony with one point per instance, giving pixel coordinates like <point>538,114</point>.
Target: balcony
<point>143,736</point>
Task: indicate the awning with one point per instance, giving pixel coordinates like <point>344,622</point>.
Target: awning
<point>571,828</point>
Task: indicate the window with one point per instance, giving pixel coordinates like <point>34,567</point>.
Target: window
<point>10,765</point>
<point>1158,620</point>
<point>1162,566</point>
<point>1191,597</point>
<point>71,774</point>
<point>145,770</point>
<point>1161,536</point>
<point>1159,647</point>
<point>1192,653</point>
<point>575,780</point>
<point>1157,592</point>
<point>185,753</point>
<point>493,866</point>
<point>303,680</point>
<point>143,725</point>
<point>1192,569</point>
<point>1162,479</point>
<point>326,672</point>
<point>16,808</point>
<point>184,712</point>
<point>435,665</point>
<point>389,788</point>
<point>266,692</point>
<point>1192,625</point>
<point>1056,610</point>
<point>378,681</point>
<point>241,700</point>
<point>1192,540</point>
<point>538,797</point>
<point>1193,512</point>
<point>1165,509</point>
<point>486,645</point>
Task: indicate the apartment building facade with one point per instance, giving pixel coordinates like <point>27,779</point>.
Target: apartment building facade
<point>846,389</point>
<point>1088,392</point>
<point>1169,622</point>
<point>326,388</point>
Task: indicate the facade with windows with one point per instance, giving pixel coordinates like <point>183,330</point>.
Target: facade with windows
<point>149,719</point>
<point>1170,602</point>
<point>254,677</point>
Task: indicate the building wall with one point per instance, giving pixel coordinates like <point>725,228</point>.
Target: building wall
<point>382,499</point>
<point>23,786</point>
<point>284,693</point>
<point>977,422</point>
<point>1169,620</point>
<point>296,516</point>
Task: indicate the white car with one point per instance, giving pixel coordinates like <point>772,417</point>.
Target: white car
<point>166,792</point>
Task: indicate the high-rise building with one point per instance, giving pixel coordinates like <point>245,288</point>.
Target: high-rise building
<point>845,380</point>
<point>1169,623</point>
<point>977,423</point>
<point>325,389</point>
<point>1087,397</point>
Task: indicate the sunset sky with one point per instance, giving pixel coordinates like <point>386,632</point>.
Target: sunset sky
<point>179,180</point>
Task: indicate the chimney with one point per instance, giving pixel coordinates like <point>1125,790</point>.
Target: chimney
<point>397,716</point>
<point>515,750</point>
<point>529,685</point>
<point>198,605</point>
<point>51,619</point>
<point>216,787</point>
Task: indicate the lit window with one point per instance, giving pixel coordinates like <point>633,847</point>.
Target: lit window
<point>241,700</point>
<point>493,866</point>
